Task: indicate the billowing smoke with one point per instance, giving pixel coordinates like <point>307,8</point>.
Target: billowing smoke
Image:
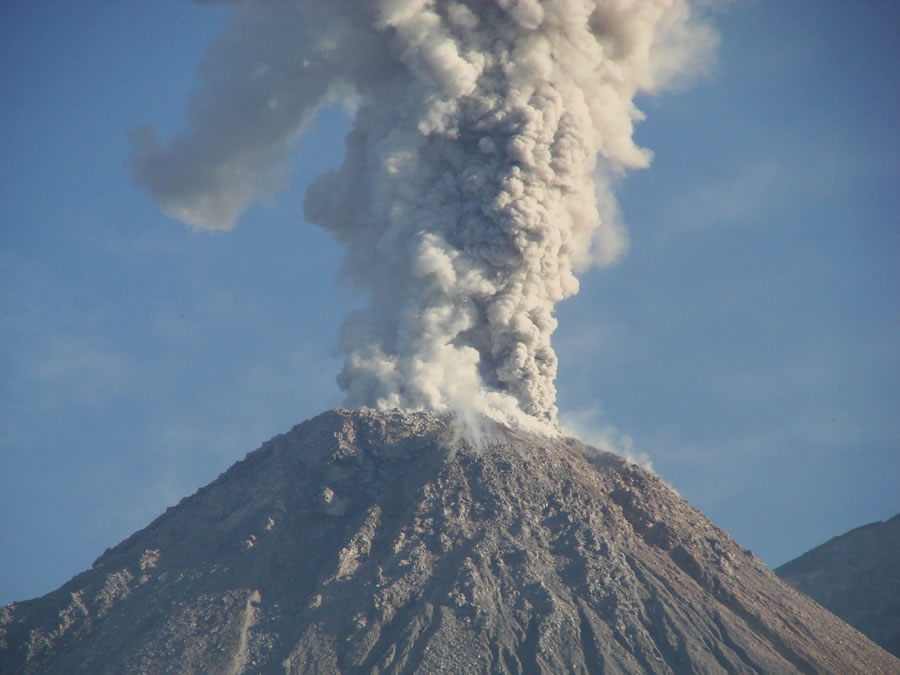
<point>477,179</point>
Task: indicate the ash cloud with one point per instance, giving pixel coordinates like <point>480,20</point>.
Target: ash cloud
<point>478,176</point>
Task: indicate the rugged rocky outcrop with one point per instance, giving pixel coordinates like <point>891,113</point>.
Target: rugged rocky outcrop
<point>365,542</point>
<point>856,576</point>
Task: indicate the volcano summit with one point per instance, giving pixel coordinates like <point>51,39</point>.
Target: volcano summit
<point>371,542</point>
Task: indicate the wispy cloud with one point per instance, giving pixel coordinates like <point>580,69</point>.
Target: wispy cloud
<point>735,199</point>
<point>78,370</point>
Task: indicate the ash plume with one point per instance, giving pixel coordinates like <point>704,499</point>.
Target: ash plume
<point>478,175</point>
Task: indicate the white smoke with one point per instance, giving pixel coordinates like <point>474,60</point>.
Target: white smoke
<point>588,426</point>
<point>486,138</point>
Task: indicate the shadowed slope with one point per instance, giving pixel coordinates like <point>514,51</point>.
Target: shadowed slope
<point>856,576</point>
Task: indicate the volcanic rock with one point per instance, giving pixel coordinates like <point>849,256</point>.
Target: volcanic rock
<point>369,542</point>
<point>856,576</point>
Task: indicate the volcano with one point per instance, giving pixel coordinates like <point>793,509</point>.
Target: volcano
<point>400,542</point>
<point>857,576</point>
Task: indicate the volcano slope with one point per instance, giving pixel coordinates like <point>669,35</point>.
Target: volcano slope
<point>369,542</point>
<point>857,576</point>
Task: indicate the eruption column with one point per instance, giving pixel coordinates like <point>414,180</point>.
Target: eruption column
<point>471,191</point>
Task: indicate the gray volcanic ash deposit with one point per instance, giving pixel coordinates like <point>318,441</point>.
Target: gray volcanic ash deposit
<point>370,542</point>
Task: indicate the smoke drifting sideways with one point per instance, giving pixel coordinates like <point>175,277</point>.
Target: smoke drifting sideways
<point>478,175</point>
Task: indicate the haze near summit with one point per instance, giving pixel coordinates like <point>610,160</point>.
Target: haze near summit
<point>477,179</point>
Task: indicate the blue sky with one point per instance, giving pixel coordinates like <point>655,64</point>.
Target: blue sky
<point>746,343</point>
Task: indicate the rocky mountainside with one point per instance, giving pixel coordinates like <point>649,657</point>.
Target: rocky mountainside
<point>365,542</point>
<point>856,576</point>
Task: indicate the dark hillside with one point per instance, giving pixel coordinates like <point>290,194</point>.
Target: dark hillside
<point>856,576</point>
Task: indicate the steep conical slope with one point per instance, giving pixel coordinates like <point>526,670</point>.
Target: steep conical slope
<point>856,576</point>
<point>365,542</point>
